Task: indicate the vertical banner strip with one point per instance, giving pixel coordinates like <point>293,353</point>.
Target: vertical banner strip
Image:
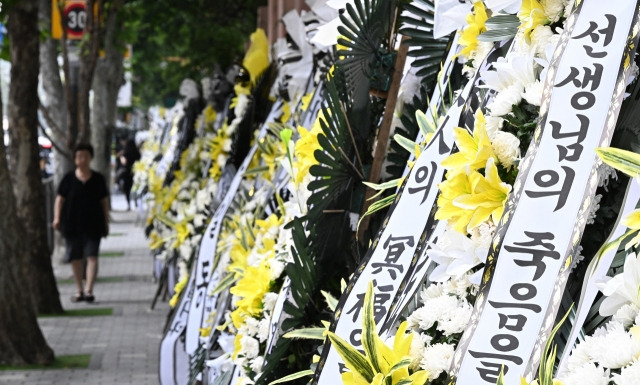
<point>205,271</point>
<point>392,256</point>
<point>598,269</point>
<point>540,231</point>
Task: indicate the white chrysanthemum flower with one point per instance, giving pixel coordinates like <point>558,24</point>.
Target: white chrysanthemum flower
<point>226,145</point>
<point>580,355</point>
<point>622,289</point>
<point>257,364</point>
<point>431,292</point>
<point>588,374</point>
<point>553,9</point>
<point>483,235</point>
<point>533,93</point>
<point>494,124</point>
<point>605,173</point>
<point>457,320</point>
<point>276,267</point>
<point>198,220</point>
<point>616,349</point>
<point>221,160</point>
<point>269,302</point>
<point>506,147</point>
<point>250,327</point>
<point>626,315</point>
<point>436,359</point>
<point>455,255</point>
<point>263,330</point>
<point>190,210</point>
<point>439,310</point>
<point>250,347</point>
<point>457,287</point>
<point>418,344</point>
<point>504,101</point>
<point>540,37</point>
<point>629,375</point>
<point>593,209</point>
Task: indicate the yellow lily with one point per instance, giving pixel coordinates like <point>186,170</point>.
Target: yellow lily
<point>306,145</point>
<point>469,199</point>
<point>475,26</point>
<point>632,221</point>
<point>256,60</point>
<point>209,115</point>
<point>381,362</point>
<point>252,287</point>
<point>531,15</point>
<point>474,151</point>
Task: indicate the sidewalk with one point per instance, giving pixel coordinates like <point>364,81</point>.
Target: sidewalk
<point>123,346</point>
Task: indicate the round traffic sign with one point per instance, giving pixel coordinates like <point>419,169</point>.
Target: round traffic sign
<point>75,17</point>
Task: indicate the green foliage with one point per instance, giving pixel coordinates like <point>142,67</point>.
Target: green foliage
<point>174,40</point>
<point>416,22</point>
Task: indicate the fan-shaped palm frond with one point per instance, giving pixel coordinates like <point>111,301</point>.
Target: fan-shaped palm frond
<point>398,155</point>
<point>416,22</point>
<point>339,162</point>
<point>366,56</point>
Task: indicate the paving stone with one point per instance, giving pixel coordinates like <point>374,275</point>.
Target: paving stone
<point>124,346</point>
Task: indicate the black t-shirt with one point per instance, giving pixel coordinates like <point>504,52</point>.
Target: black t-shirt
<point>82,212</point>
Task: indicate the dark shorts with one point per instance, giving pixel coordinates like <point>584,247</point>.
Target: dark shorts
<point>81,247</point>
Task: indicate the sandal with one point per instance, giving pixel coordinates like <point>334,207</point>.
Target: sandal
<point>89,297</point>
<point>78,297</point>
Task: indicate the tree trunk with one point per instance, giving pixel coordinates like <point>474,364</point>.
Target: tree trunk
<point>21,340</point>
<point>24,154</point>
<point>55,104</point>
<point>106,83</point>
<point>89,59</point>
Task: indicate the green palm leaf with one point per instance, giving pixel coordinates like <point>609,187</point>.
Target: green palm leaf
<point>416,22</point>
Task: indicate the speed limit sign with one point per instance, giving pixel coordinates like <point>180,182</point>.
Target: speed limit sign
<point>73,18</point>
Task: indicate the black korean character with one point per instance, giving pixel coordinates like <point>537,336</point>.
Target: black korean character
<point>549,178</point>
<point>506,305</point>
<point>575,148</point>
<point>491,371</point>
<point>607,31</point>
<point>438,137</point>
<point>593,76</point>
<point>394,246</point>
<point>592,54</point>
<point>505,322</point>
<point>422,174</point>
<point>381,297</point>
<point>537,254</point>
<point>583,100</point>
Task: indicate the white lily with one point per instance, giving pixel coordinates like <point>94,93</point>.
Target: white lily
<point>455,255</point>
<point>622,289</point>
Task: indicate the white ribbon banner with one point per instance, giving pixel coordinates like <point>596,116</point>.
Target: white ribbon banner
<point>540,231</point>
<point>598,269</point>
<point>393,250</point>
<point>174,361</point>
<point>206,276</point>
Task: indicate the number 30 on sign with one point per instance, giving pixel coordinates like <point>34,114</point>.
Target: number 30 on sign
<point>74,18</point>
